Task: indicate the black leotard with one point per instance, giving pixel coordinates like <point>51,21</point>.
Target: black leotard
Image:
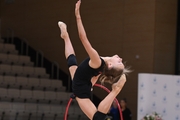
<point>81,84</point>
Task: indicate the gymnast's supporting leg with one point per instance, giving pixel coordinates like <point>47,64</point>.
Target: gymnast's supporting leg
<point>69,50</point>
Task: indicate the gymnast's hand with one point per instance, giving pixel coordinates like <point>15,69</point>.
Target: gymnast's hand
<point>119,84</point>
<point>77,13</point>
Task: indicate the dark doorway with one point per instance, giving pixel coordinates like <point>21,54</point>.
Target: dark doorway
<point>177,66</point>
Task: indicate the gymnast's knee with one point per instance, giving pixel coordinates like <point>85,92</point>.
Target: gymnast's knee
<point>71,60</point>
<point>100,116</point>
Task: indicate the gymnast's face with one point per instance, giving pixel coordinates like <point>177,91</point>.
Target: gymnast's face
<point>116,63</point>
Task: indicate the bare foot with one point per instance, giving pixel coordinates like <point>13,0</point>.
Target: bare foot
<point>63,28</point>
<point>119,84</point>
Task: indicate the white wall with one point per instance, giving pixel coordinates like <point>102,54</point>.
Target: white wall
<point>159,93</point>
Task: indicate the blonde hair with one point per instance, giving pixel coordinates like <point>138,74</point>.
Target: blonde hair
<point>112,75</point>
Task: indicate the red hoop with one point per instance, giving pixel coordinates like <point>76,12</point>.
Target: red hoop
<point>97,85</point>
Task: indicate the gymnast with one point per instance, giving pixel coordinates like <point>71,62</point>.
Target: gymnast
<point>105,69</point>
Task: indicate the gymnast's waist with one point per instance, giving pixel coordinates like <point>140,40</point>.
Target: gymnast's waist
<point>81,90</point>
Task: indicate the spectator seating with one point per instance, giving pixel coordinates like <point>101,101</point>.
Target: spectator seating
<point>27,92</point>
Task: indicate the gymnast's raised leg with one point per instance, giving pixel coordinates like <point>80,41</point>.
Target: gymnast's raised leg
<point>69,50</point>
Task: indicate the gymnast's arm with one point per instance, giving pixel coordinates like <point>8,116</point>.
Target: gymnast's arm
<point>95,60</point>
